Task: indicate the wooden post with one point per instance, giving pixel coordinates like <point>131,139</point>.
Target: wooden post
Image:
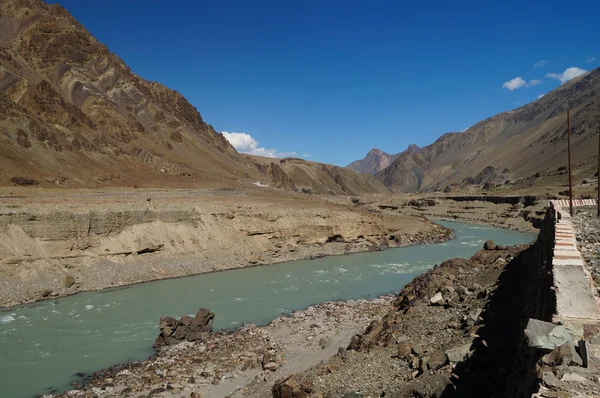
<point>570,173</point>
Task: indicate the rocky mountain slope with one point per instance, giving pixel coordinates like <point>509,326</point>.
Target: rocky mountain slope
<point>72,113</point>
<point>376,160</point>
<point>312,177</point>
<point>528,143</point>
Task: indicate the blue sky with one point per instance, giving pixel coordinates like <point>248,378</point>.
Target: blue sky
<point>335,78</point>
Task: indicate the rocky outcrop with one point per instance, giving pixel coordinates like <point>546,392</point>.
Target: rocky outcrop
<point>173,331</point>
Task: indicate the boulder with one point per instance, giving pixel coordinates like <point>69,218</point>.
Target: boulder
<point>474,314</point>
<point>203,320</point>
<point>173,331</point>
<point>68,281</point>
<point>355,342</point>
<point>437,359</point>
<point>167,326</point>
<point>404,349</point>
<point>186,320</point>
<point>272,366</point>
<point>547,336</point>
<point>289,388</point>
<point>489,245</point>
<point>417,349</point>
<point>457,354</point>
<point>268,358</point>
<point>563,355</point>
<point>438,299</point>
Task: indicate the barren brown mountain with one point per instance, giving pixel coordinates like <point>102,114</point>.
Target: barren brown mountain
<point>525,146</point>
<point>376,160</point>
<point>313,177</point>
<point>73,114</point>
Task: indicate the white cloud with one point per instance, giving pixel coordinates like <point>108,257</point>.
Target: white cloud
<point>589,60</point>
<point>534,82</point>
<point>515,83</point>
<point>568,74</point>
<point>541,95</point>
<point>244,143</point>
<point>518,82</point>
<point>540,64</point>
<point>306,155</point>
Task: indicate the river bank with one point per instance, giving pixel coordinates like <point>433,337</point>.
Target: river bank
<point>56,245</point>
<point>361,346</point>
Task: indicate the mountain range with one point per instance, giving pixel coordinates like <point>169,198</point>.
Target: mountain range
<point>73,114</point>
<point>529,142</point>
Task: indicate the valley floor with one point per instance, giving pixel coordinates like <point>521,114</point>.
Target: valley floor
<point>61,243</point>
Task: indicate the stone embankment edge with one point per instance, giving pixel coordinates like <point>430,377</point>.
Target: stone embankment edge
<point>574,299</point>
<point>576,293</point>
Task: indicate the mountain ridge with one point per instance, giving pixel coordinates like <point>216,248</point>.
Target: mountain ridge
<point>377,160</point>
<point>506,141</point>
<point>75,115</point>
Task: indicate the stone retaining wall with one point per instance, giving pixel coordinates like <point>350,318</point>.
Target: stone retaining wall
<point>559,355</point>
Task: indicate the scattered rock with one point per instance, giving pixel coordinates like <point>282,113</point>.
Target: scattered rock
<point>342,353</point>
<point>354,343</point>
<point>324,342</point>
<point>290,388</point>
<point>437,359</point>
<point>173,331</point>
<point>417,349</point>
<point>269,358</point>
<point>546,336</point>
<point>474,314</point>
<point>167,326</point>
<point>489,245</point>
<point>438,299</point>
<point>563,355</point>
<point>46,292</point>
<point>272,366</point>
<point>68,281</point>
<point>404,349</point>
<point>457,354</point>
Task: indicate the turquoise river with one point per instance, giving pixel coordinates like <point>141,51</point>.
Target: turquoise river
<point>44,345</point>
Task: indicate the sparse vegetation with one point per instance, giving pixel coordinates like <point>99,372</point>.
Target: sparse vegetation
<point>355,201</point>
<point>307,190</point>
